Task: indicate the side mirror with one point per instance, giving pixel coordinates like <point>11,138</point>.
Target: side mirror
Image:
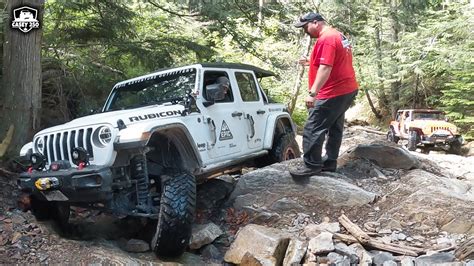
<point>215,92</point>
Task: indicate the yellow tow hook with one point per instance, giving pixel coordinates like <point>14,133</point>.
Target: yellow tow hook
<point>46,183</point>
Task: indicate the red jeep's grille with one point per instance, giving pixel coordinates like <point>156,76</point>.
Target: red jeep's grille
<point>433,129</point>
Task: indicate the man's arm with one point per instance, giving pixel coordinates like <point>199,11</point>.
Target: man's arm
<point>321,77</point>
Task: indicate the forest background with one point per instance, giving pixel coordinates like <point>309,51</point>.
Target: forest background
<point>407,53</point>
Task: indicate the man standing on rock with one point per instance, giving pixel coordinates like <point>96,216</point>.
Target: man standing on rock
<point>332,88</point>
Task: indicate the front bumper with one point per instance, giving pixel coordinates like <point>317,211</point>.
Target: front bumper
<point>89,185</point>
<point>441,140</point>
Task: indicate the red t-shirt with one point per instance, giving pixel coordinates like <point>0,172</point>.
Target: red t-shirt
<point>333,49</point>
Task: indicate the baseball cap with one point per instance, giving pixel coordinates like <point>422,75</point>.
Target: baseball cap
<point>309,17</point>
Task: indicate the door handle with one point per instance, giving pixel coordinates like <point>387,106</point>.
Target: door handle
<point>260,112</point>
<point>234,114</point>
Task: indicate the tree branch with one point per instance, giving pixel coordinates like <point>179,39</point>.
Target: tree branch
<point>173,12</point>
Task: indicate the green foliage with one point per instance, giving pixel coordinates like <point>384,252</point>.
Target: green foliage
<point>406,53</point>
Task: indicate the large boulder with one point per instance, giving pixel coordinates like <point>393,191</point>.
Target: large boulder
<point>386,156</point>
<point>272,188</point>
<point>430,201</point>
<point>258,245</point>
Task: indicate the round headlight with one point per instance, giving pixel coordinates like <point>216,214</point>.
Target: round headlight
<point>104,135</point>
<point>39,145</point>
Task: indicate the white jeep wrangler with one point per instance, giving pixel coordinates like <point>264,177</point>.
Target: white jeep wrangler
<point>156,137</point>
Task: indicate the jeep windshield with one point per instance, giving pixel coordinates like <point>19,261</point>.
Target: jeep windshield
<point>428,116</point>
<point>168,87</point>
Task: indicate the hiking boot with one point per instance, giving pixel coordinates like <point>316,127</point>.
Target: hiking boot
<point>299,169</point>
<point>329,165</point>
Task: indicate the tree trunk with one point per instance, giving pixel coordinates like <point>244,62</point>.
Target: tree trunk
<point>395,85</point>
<point>20,95</point>
<point>299,76</point>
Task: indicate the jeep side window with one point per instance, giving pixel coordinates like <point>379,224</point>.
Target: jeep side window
<point>247,87</point>
<point>212,78</point>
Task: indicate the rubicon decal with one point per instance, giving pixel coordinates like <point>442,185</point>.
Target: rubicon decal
<point>155,115</point>
<point>25,19</point>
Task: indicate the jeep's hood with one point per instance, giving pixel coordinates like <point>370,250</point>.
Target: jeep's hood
<point>129,117</point>
<point>431,123</point>
<point>430,126</point>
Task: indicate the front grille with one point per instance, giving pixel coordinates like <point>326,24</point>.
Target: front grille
<point>433,129</point>
<point>58,146</point>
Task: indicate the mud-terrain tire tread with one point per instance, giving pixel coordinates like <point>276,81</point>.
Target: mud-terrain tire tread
<point>177,209</point>
<point>284,142</point>
<point>412,141</point>
<point>392,137</point>
<point>455,148</point>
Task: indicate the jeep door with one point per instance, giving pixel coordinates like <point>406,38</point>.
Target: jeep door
<point>254,113</point>
<point>227,117</point>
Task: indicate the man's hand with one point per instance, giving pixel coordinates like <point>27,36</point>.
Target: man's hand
<point>309,101</point>
<point>303,61</point>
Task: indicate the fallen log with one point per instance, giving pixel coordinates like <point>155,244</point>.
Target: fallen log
<point>465,250</point>
<point>368,241</point>
<point>370,130</point>
<point>348,239</point>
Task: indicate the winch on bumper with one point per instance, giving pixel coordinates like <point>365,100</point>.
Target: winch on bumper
<point>89,185</point>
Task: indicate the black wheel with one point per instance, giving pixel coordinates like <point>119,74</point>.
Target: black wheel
<point>285,148</point>
<point>455,147</point>
<point>412,140</point>
<point>391,136</point>
<point>177,208</point>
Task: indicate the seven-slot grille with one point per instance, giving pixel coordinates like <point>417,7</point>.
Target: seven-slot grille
<point>58,146</point>
<point>433,129</point>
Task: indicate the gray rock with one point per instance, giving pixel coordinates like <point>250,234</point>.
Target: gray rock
<point>267,186</point>
<point>136,246</point>
<point>427,260</point>
<point>402,236</point>
<point>321,244</point>
<point>347,251</point>
<point>470,263</point>
<point>407,261</point>
<point>337,259</point>
<point>385,231</point>
<point>285,205</point>
<point>210,252</point>
<point>379,257</point>
<point>313,230</point>
<point>213,192</point>
<point>390,263</point>
<point>365,258</point>
<point>204,234</point>
<point>265,217</point>
<point>387,156</point>
<point>295,252</point>
<point>263,244</point>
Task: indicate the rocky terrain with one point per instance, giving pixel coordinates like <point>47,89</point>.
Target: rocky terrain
<point>384,206</point>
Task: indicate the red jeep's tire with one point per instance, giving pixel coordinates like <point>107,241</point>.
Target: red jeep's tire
<point>391,136</point>
<point>413,140</point>
<point>177,209</point>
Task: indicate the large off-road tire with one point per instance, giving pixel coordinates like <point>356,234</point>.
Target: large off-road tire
<point>455,147</point>
<point>391,136</point>
<point>177,208</point>
<point>285,148</point>
<point>413,140</point>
